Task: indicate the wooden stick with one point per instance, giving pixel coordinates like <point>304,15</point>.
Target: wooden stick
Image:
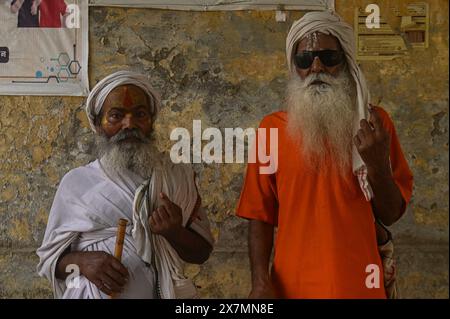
<point>120,238</point>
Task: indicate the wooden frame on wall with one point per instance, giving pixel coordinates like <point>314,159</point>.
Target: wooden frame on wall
<point>212,5</point>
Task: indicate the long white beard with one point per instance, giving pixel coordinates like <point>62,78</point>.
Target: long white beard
<point>118,155</point>
<point>321,117</point>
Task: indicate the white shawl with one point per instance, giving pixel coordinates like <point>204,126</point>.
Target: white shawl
<point>155,249</point>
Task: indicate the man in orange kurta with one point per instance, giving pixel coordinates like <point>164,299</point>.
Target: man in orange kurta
<point>325,213</point>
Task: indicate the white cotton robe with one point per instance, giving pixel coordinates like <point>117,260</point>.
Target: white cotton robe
<point>85,212</point>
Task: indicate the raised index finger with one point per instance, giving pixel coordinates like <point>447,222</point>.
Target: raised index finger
<point>375,119</point>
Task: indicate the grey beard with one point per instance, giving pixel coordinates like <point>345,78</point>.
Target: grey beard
<point>321,117</point>
<point>118,155</point>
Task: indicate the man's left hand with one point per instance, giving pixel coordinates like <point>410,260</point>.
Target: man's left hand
<point>373,143</point>
<point>167,219</point>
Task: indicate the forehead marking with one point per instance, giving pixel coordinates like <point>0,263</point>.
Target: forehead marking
<point>127,100</point>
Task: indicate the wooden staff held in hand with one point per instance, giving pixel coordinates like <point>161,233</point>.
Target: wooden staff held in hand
<point>121,229</point>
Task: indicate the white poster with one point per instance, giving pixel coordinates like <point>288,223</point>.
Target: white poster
<point>44,47</point>
<point>214,5</point>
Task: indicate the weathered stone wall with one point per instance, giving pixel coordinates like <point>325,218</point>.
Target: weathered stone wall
<point>227,69</point>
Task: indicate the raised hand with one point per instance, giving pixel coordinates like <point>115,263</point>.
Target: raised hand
<point>166,220</point>
<point>373,144</point>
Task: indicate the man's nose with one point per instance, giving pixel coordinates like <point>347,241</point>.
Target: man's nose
<point>128,122</point>
<point>317,66</point>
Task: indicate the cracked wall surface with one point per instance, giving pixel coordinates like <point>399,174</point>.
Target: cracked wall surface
<point>228,70</point>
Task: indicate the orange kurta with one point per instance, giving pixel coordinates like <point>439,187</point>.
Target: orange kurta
<point>326,233</point>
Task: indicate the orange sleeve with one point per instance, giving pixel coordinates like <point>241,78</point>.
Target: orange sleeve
<point>259,198</point>
<point>403,176</point>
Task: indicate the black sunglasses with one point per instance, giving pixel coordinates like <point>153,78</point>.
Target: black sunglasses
<point>304,59</point>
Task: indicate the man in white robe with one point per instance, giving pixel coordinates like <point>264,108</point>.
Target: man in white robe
<point>130,180</point>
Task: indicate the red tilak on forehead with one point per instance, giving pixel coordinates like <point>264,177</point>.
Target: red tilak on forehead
<point>127,100</point>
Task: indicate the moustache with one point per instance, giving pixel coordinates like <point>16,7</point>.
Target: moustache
<point>318,78</point>
<point>129,133</point>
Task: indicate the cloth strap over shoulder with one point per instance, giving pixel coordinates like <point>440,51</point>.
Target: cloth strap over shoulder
<point>179,185</point>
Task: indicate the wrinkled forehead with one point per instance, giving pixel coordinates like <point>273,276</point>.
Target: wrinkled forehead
<point>127,95</point>
<point>317,41</point>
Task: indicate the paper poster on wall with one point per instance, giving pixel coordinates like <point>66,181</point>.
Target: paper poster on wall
<point>214,5</point>
<point>44,47</point>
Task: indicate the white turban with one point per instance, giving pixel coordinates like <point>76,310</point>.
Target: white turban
<point>101,90</point>
<point>328,22</point>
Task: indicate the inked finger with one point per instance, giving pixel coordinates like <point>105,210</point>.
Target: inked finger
<point>357,141</point>
<point>375,119</point>
<point>365,127</point>
<point>361,135</point>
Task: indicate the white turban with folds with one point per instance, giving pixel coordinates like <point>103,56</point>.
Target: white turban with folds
<point>328,22</point>
<point>101,90</point>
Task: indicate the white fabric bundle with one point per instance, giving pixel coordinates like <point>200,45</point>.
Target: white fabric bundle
<point>155,249</point>
<point>328,22</point>
<point>101,90</point>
